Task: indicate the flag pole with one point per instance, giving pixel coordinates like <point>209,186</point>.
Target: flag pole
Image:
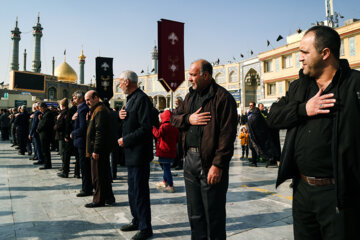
<point>172,101</point>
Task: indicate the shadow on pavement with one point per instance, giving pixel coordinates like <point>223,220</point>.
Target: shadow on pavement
<point>233,225</point>
<point>70,229</point>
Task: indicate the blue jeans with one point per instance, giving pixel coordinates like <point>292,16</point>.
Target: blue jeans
<point>166,164</point>
<point>37,147</point>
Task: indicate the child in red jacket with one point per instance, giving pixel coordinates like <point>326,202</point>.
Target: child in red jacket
<point>167,137</point>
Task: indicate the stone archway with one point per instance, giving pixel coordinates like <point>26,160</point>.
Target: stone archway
<point>159,102</point>
<point>252,83</point>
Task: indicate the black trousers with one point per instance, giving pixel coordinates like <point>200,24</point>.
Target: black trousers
<point>205,202</point>
<point>101,179</point>
<point>139,196</point>
<point>45,148</point>
<point>315,215</point>
<point>5,133</point>
<point>66,150</point>
<point>254,155</point>
<point>245,150</point>
<point>85,167</point>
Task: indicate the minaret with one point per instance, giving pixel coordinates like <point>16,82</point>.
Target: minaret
<point>36,67</point>
<point>25,59</point>
<point>82,63</point>
<point>53,65</point>
<point>15,36</point>
<point>154,57</point>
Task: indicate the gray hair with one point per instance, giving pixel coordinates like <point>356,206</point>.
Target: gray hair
<point>23,107</point>
<point>79,94</point>
<point>129,75</point>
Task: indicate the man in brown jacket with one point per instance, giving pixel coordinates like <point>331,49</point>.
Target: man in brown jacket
<point>208,119</point>
<point>98,147</point>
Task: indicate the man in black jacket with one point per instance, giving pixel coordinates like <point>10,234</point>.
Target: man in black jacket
<point>321,153</point>
<point>45,129</point>
<point>22,124</point>
<point>136,139</point>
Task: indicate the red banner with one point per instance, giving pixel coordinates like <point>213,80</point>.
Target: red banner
<point>171,72</point>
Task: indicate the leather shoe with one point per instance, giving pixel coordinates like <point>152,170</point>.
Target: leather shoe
<point>84,194</point>
<point>21,153</point>
<point>63,175</point>
<point>77,176</point>
<point>142,235</point>
<point>94,205</point>
<point>43,168</point>
<point>129,227</point>
<point>110,201</point>
<point>38,163</point>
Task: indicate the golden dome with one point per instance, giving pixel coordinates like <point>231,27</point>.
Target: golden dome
<point>65,73</point>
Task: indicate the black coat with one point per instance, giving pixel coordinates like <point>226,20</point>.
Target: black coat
<point>288,113</point>
<point>22,123</point>
<point>5,120</point>
<point>264,140</point>
<point>46,125</point>
<point>137,130</point>
<point>99,135</point>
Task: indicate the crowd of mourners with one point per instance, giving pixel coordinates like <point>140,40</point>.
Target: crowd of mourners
<point>68,128</point>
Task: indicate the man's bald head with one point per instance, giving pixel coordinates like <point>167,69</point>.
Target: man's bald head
<point>91,98</point>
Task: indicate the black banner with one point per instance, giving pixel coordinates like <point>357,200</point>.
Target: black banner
<point>104,78</point>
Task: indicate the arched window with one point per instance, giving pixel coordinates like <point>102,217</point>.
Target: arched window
<point>52,93</point>
<point>220,78</point>
<point>233,77</point>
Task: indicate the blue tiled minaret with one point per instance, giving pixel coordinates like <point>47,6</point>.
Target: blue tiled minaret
<point>82,63</point>
<point>15,37</point>
<point>36,66</point>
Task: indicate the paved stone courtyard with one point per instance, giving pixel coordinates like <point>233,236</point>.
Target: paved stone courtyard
<point>37,204</point>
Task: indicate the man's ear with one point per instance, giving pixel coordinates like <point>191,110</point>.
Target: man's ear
<point>325,53</point>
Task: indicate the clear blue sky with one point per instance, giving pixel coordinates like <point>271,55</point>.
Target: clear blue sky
<point>127,30</point>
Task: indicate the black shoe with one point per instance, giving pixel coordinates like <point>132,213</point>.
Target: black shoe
<point>253,165</point>
<point>43,168</point>
<point>38,163</point>
<point>17,147</point>
<point>21,153</point>
<point>63,175</point>
<point>60,169</point>
<point>29,153</point>
<point>129,227</point>
<point>13,145</point>
<point>142,235</point>
<point>110,201</point>
<point>94,205</point>
<point>77,176</point>
<point>84,194</point>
